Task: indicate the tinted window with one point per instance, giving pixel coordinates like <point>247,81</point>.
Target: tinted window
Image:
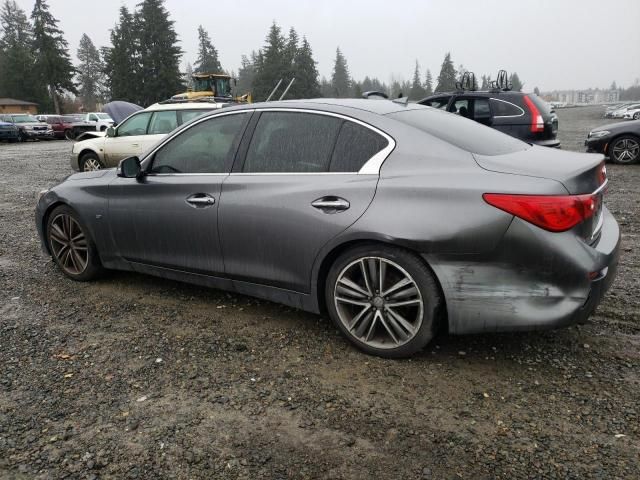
<point>355,146</point>
<point>461,107</point>
<point>503,108</point>
<point>481,108</point>
<point>292,142</point>
<point>441,102</point>
<point>163,122</point>
<point>468,135</point>
<point>136,125</point>
<point>188,115</point>
<point>207,147</point>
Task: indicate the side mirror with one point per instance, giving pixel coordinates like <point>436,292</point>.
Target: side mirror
<point>111,132</point>
<point>130,168</point>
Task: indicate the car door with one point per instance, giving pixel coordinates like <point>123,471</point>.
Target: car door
<point>128,140</point>
<point>301,183</point>
<point>507,117</point>
<point>169,218</point>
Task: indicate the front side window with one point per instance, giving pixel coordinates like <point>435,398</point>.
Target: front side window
<point>163,122</point>
<point>440,102</point>
<point>136,125</point>
<point>292,142</point>
<point>207,147</point>
<point>93,118</point>
<point>355,146</point>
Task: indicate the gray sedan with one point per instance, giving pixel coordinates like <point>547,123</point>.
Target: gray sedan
<point>394,219</point>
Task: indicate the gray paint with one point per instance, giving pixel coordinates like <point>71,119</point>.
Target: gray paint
<point>263,237</point>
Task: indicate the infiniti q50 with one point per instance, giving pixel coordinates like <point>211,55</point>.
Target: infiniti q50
<point>395,219</point>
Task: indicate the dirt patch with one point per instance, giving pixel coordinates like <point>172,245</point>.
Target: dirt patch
<point>138,377</point>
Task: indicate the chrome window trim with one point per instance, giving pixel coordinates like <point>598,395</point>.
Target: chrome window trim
<point>507,116</point>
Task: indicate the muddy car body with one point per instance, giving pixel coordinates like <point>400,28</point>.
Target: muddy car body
<point>401,218</point>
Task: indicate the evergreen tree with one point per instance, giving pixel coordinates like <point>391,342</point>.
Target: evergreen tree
<point>447,77</point>
<point>536,91</point>
<point>326,90</point>
<point>306,72</point>
<point>160,76</point>
<point>53,66</point>
<point>485,83</point>
<point>516,84</point>
<point>188,76</point>
<point>90,74</point>
<point>613,86</point>
<point>340,80</point>
<point>428,85</point>
<point>271,65</point>
<point>246,74</point>
<point>290,58</point>
<point>122,65</point>
<point>417,91</point>
<point>16,59</point>
<point>207,54</point>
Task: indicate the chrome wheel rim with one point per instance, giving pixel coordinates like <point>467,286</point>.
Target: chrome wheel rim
<point>626,150</point>
<point>91,164</point>
<point>69,244</point>
<point>378,302</point>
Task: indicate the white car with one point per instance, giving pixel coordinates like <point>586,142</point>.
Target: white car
<point>134,135</point>
<point>102,121</point>
<point>632,113</point>
<point>621,112</point>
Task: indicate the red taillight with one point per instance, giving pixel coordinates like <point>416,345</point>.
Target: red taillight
<point>537,122</point>
<point>602,173</point>
<point>555,213</point>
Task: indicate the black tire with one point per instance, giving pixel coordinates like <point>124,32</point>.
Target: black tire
<point>636,116</point>
<point>103,128</point>
<point>22,137</point>
<point>87,258</point>
<point>68,134</point>
<point>629,144</point>
<point>90,158</point>
<point>424,280</point>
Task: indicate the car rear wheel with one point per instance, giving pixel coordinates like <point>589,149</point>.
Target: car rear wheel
<point>625,150</point>
<point>90,162</point>
<point>70,245</point>
<point>385,300</point>
<point>68,134</point>
<point>636,116</point>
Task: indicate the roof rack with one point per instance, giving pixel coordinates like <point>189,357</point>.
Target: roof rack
<point>375,94</point>
<point>467,82</point>
<point>197,100</point>
<point>501,83</point>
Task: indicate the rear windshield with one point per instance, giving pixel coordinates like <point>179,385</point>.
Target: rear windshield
<point>461,132</point>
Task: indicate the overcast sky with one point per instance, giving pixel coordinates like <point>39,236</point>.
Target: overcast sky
<point>552,44</point>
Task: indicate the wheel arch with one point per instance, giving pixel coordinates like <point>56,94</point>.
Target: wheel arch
<point>324,265</point>
<point>45,220</point>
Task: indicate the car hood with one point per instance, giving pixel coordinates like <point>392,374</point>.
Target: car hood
<point>619,126</point>
<point>106,172</point>
<point>574,170</point>
<point>91,143</point>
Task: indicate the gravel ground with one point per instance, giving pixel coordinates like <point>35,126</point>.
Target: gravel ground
<point>137,377</point>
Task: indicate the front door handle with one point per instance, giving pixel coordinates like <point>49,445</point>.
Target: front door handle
<point>200,200</point>
<point>331,204</point>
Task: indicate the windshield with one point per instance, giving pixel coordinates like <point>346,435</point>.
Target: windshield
<point>201,85</point>
<point>25,119</point>
<point>461,132</point>
<point>223,87</point>
<point>103,116</point>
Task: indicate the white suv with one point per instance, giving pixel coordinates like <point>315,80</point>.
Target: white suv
<point>134,135</point>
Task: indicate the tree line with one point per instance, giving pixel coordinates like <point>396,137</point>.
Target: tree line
<point>142,63</point>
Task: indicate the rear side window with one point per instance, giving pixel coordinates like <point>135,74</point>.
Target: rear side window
<point>135,125</point>
<point>163,122</point>
<point>502,108</point>
<point>355,146</point>
<point>461,132</point>
<point>292,142</point>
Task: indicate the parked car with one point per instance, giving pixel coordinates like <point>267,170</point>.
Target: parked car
<point>396,219</point>
<point>522,115</point>
<point>62,126</point>
<point>102,121</point>
<point>619,141</point>
<point>608,112</point>
<point>8,132</point>
<point>29,127</point>
<point>134,135</point>
<point>632,113</point>
<point>620,112</point>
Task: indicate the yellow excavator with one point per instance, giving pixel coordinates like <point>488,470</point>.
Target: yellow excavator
<point>215,86</point>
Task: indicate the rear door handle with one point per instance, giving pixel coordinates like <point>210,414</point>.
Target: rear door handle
<point>331,204</point>
<point>200,200</point>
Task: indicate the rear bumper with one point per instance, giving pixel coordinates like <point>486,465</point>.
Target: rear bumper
<point>552,143</point>
<point>534,280</point>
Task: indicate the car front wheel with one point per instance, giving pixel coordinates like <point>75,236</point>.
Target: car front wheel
<point>71,246</point>
<point>90,162</point>
<point>385,300</point>
<point>625,150</point>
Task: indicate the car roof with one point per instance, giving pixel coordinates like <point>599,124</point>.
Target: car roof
<point>183,106</point>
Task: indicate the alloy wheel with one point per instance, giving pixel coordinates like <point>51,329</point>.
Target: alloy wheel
<point>69,244</point>
<point>626,150</point>
<point>378,302</point>
<point>90,164</point>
